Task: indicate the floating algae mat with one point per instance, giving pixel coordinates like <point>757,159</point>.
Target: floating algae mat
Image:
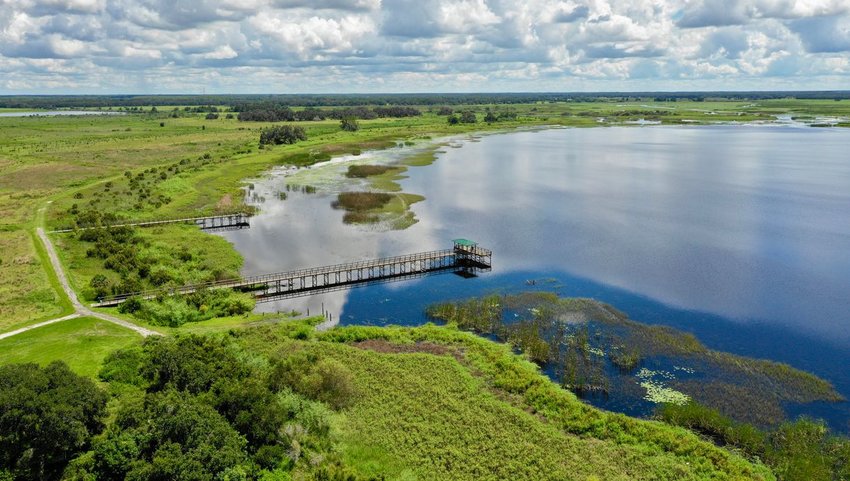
<point>599,353</point>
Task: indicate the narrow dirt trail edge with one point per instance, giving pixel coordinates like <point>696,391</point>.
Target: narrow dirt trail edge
<point>40,324</point>
<point>79,308</point>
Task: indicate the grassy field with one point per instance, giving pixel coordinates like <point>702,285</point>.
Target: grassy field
<point>82,343</point>
<point>438,404</point>
<point>26,290</point>
<point>190,165</point>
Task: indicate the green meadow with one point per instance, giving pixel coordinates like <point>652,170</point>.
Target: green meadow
<point>82,343</point>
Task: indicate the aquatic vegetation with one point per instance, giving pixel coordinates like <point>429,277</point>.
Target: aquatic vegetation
<point>366,170</point>
<point>388,180</point>
<point>803,450</point>
<point>626,358</point>
<point>390,210</point>
<point>656,391</point>
<point>361,201</point>
<point>593,348</point>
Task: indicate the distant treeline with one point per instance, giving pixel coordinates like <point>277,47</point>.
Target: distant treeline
<point>281,113</point>
<point>352,100</point>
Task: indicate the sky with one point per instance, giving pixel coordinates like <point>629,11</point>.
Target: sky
<point>363,46</point>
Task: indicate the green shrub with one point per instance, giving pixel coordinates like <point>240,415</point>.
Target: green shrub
<point>282,134</point>
<point>324,380</point>
<point>175,311</point>
<point>123,366</point>
<point>101,285</point>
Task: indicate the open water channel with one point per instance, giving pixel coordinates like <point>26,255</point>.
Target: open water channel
<point>739,234</point>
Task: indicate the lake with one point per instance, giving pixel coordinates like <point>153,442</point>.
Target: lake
<point>739,234</point>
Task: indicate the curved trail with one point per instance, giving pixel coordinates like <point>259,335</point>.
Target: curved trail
<point>80,309</point>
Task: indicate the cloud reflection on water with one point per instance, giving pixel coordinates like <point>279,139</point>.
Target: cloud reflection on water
<point>739,221</point>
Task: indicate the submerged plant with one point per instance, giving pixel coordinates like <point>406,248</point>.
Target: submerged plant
<point>591,347</point>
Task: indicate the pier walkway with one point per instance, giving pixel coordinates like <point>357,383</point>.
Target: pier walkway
<point>238,220</point>
<point>466,257</point>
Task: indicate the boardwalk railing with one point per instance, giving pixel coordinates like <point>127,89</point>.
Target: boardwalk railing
<point>222,221</point>
<point>468,259</point>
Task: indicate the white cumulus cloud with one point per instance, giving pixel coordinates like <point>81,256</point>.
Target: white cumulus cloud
<point>417,45</point>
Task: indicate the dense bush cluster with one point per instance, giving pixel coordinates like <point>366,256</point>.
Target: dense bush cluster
<point>206,410</point>
<point>278,113</point>
<point>120,249</point>
<point>137,264</point>
<point>174,311</point>
<point>465,117</point>
<point>282,134</point>
<point>469,117</point>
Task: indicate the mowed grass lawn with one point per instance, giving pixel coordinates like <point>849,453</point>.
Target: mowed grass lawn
<point>82,343</point>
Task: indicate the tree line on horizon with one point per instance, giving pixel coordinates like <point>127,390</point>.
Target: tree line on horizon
<point>427,99</point>
<point>282,113</point>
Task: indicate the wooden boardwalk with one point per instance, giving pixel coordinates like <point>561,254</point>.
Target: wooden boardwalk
<point>227,221</point>
<point>465,257</point>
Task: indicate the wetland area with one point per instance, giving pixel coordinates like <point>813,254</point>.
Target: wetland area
<point>734,233</point>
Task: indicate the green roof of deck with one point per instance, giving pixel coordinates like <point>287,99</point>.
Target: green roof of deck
<point>465,242</point>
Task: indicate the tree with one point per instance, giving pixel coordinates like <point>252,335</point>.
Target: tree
<point>349,124</point>
<point>453,119</point>
<point>47,416</point>
<point>171,435</point>
<point>468,117</point>
<point>100,284</point>
<point>508,115</point>
<point>282,134</point>
<point>490,117</point>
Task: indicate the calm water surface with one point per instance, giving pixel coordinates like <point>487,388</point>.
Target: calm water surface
<point>740,234</point>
